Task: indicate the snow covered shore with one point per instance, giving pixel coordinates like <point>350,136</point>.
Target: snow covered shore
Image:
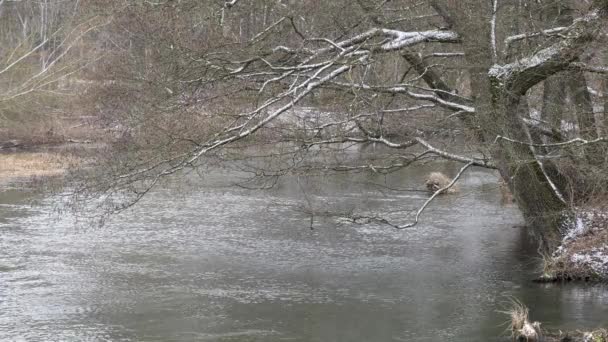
<point>583,253</point>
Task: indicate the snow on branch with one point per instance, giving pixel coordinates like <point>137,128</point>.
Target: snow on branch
<point>408,109</point>
<point>575,141</point>
<point>519,76</point>
<point>450,156</point>
<point>370,136</point>
<point>378,219</point>
<point>315,67</point>
<point>548,32</point>
<point>241,131</point>
<point>405,89</point>
<point>443,55</point>
<point>435,194</point>
<point>230,3</point>
<point>493,30</point>
<point>404,39</point>
<point>589,68</point>
<point>429,149</point>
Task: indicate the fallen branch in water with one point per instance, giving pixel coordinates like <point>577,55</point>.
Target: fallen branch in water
<point>369,219</point>
<point>435,194</point>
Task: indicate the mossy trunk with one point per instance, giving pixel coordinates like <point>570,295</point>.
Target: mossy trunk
<point>554,101</point>
<point>498,113</point>
<point>605,118</point>
<point>536,194</point>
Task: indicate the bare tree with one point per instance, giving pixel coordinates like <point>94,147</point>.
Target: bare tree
<point>382,72</point>
<point>40,43</point>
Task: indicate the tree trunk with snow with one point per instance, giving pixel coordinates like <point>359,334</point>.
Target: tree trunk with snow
<point>498,91</point>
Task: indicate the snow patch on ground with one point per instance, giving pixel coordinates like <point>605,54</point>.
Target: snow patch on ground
<point>584,241</point>
<point>596,259</point>
<point>577,227</point>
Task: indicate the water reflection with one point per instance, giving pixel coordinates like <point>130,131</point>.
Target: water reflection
<point>234,265</point>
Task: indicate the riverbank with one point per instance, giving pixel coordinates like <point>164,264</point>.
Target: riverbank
<point>599,335</point>
<point>583,252</point>
<point>523,329</point>
<point>25,165</point>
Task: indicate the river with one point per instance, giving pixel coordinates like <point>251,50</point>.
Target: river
<point>208,262</point>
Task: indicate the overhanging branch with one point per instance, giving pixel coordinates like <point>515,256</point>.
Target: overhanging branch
<point>521,75</point>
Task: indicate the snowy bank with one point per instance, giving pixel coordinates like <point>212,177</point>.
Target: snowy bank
<point>583,253</point>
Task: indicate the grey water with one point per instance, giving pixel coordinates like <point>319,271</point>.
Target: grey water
<point>212,262</point>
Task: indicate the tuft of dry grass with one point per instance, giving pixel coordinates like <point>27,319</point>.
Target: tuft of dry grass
<point>35,164</point>
<point>522,330</point>
<point>519,315</point>
<point>437,180</point>
<point>521,327</point>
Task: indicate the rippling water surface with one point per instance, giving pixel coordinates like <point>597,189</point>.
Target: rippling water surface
<point>226,264</point>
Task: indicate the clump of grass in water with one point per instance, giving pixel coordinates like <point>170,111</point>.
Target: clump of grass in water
<point>437,180</point>
<point>522,330</point>
<point>550,269</point>
<point>521,327</point>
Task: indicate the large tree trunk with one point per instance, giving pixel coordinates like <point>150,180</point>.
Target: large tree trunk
<point>581,98</point>
<point>536,194</point>
<point>605,118</point>
<point>554,101</point>
<point>498,89</point>
<point>498,115</point>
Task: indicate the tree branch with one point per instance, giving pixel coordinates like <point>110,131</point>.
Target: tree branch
<point>521,75</point>
<point>419,211</point>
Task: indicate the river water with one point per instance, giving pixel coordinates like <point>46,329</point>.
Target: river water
<point>206,262</point>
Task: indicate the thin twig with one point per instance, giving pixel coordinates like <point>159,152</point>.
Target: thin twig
<point>580,141</point>
<point>435,194</point>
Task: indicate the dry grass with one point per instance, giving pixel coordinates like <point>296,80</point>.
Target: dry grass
<point>522,330</point>
<point>437,180</point>
<point>34,164</point>
<point>53,130</point>
<point>521,327</point>
<point>519,315</point>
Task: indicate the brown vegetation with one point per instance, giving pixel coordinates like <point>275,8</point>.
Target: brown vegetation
<point>34,164</point>
<point>521,327</point>
<point>437,180</point>
<point>51,131</point>
<point>523,330</point>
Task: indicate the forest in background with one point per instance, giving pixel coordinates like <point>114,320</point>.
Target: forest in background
<point>515,86</point>
<point>163,87</point>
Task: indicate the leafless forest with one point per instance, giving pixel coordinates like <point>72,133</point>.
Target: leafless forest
<point>170,86</point>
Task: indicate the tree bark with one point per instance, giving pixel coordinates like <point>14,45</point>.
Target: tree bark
<point>585,116</point>
<point>497,94</point>
<point>605,118</point>
<point>554,101</point>
<point>533,191</point>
